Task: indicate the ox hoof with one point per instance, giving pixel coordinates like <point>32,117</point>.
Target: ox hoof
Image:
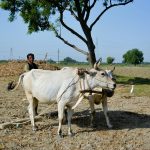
<point>71,134</point>
<point>36,114</point>
<point>64,120</point>
<point>59,136</point>
<point>110,126</point>
<point>93,125</point>
<point>34,128</point>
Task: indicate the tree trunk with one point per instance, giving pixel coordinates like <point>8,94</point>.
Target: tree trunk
<point>92,57</point>
<point>91,48</point>
<point>90,44</point>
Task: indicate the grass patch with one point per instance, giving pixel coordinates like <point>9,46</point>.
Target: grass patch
<point>142,90</point>
<point>139,90</point>
<point>141,85</point>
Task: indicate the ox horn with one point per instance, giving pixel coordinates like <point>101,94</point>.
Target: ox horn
<point>97,63</point>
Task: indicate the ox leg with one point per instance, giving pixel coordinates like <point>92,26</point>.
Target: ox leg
<point>31,109</point>
<point>61,107</point>
<point>105,109</point>
<point>65,116</point>
<point>36,106</point>
<point>69,116</point>
<point>91,102</point>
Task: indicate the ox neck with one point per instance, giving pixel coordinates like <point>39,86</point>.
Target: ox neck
<point>86,83</point>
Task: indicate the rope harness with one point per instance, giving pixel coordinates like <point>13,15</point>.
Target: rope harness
<point>83,79</point>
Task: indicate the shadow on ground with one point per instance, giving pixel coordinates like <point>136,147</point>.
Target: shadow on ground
<point>119,120</point>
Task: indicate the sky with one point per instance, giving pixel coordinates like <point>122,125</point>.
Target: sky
<point>119,30</point>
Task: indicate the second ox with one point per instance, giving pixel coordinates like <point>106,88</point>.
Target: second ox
<point>98,95</point>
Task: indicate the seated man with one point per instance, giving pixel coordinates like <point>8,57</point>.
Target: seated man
<point>30,65</point>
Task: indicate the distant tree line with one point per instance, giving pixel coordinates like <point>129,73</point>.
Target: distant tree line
<point>133,56</point>
<point>67,60</point>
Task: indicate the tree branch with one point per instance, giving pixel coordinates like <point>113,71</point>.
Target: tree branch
<point>87,14</point>
<point>89,10</point>
<point>71,45</point>
<point>78,9</point>
<point>73,13</point>
<point>93,4</point>
<point>110,2</point>
<point>85,7</point>
<point>113,5</point>
<point>71,30</point>
<point>83,24</point>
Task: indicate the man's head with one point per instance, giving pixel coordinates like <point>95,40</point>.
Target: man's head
<point>30,58</point>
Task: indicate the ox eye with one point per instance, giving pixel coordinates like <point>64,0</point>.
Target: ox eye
<point>102,74</point>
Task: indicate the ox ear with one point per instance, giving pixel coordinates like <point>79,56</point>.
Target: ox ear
<point>113,69</point>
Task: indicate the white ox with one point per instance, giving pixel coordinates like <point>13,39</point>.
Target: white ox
<point>61,86</point>
<point>99,97</point>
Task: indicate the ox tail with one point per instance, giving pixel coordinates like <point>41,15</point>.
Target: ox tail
<point>13,86</point>
<point>78,102</point>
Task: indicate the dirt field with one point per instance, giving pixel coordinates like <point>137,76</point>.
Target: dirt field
<point>129,114</point>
